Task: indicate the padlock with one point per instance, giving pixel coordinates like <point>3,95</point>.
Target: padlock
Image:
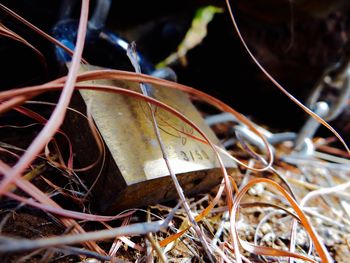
<point>134,172</point>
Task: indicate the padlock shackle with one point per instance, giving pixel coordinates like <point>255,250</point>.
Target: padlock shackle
<point>100,14</point>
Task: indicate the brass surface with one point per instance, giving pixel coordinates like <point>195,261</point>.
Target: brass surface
<point>126,127</point>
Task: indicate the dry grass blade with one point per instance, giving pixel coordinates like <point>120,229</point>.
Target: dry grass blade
<point>12,35</point>
<point>95,133</point>
<point>40,119</point>
<point>36,29</point>
<point>131,52</point>
<point>15,245</point>
<point>79,251</point>
<point>313,194</point>
<point>66,213</point>
<point>156,247</point>
<point>322,252</point>
<point>324,191</point>
<point>12,102</point>
<point>43,198</point>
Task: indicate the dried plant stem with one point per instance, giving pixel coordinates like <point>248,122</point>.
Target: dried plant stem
<point>12,102</point>
<point>181,193</point>
<point>324,191</point>
<point>62,212</point>
<point>271,251</point>
<point>81,251</point>
<point>313,194</point>
<point>36,29</point>
<point>10,245</point>
<point>8,33</point>
<point>157,248</point>
<point>43,198</point>
<point>131,52</point>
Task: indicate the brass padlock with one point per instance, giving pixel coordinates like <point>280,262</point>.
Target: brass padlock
<point>134,172</point>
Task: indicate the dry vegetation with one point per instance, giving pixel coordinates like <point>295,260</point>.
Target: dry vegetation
<point>281,205</point>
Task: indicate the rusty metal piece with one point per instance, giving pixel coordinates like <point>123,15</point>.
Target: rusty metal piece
<point>135,173</point>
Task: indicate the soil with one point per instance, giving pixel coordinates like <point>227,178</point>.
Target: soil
<point>31,225</point>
